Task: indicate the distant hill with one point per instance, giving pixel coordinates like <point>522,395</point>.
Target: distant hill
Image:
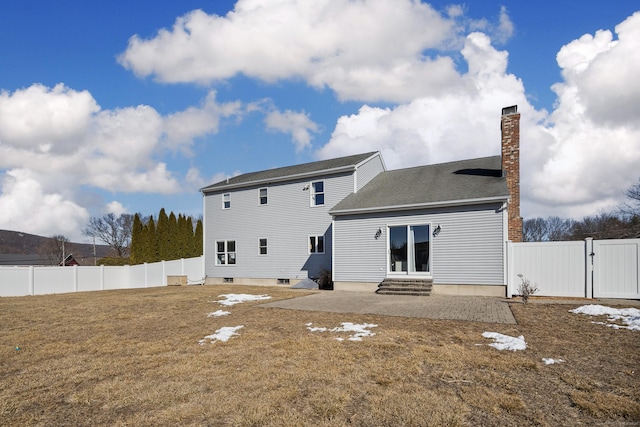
<point>18,248</point>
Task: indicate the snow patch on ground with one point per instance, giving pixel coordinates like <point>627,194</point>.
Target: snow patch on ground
<point>222,334</point>
<point>232,299</point>
<point>219,313</point>
<point>505,342</point>
<point>549,361</point>
<point>359,330</point>
<point>628,316</point>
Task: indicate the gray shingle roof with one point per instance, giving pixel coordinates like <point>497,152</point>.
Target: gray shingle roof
<point>455,182</point>
<point>280,174</point>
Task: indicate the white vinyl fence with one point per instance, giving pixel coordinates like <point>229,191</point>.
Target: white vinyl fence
<point>19,281</point>
<point>586,269</point>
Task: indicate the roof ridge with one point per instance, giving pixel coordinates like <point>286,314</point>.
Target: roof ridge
<point>283,172</point>
<point>445,163</point>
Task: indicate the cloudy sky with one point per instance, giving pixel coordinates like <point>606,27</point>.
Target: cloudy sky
<point>127,106</point>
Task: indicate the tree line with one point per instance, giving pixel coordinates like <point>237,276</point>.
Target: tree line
<point>171,238</point>
<point>136,239</point>
<point>623,223</point>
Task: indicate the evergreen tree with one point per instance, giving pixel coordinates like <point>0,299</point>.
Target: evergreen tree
<point>183,237</point>
<point>198,238</point>
<point>189,243</point>
<point>173,239</point>
<point>162,236</point>
<point>137,244</point>
<point>151,244</point>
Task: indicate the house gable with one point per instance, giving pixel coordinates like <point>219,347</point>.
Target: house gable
<point>278,220</point>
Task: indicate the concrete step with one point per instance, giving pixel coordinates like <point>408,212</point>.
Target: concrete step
<point>398,286</point>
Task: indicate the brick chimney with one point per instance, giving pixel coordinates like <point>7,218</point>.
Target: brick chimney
<point>510,130</point>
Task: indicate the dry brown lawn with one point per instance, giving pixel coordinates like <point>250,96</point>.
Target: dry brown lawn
<point>132,358</point>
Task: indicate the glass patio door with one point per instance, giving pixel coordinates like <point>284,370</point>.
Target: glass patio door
<point>409,249</point>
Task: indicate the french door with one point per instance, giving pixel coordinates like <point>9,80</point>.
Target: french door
<point>409,249</point>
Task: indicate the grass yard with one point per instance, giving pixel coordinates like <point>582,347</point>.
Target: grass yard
<point>133,358</point>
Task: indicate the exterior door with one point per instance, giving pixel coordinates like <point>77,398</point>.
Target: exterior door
<point>409,249</point>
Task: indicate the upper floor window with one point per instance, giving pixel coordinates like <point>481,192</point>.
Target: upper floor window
<point>263,246</point>
<point>226,201</point>
<point>263,196</point>
<point>317,193</point>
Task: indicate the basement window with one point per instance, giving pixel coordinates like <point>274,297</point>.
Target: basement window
<point>227,280</point>
<point>283,281</point>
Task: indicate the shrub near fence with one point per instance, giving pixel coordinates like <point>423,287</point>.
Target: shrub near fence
<point>20,281</point>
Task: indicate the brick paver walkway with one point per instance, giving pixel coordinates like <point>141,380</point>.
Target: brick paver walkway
<point>470,308</point>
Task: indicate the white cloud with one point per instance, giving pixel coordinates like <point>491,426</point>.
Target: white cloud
<point>45,119</point>
<point>462,124</point>
<point>194,179</point>
<point>604,73</point>
<point>116,208</point>
<point>394,53</point>
<point>299,125</point>
<point>182,127</point>
<point>25,206</point>
<point>576,161</point>
<point>62,143</point>
<point>505,28</point>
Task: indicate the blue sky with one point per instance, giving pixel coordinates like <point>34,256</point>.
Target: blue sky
<point>133,106</point>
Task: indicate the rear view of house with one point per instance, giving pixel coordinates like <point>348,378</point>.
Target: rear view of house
<point>442,226</point>
<point>273,226</point>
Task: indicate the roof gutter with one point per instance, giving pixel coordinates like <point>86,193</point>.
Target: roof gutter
<point>215,187</point>
<point>415,206</point>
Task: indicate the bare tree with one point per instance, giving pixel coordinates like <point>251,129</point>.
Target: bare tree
<point>534,230</point>
<point>605,225</point>
<point>56,249</point>
<point>551,229</point>
<point>631,208</point>
<point>114,231</point>
<point>558,229</point>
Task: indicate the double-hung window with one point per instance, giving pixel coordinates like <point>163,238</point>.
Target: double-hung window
<point>316,244</point>
<point>317,193</point>
<point>225,252</point>
<point>226,201</point>
<point>263,196</point>
<point>262,245</point>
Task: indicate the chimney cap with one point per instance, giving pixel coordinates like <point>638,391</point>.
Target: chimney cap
<point>510,110</point>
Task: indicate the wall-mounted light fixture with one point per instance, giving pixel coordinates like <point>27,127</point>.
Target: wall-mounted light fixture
<point>437,230</point>
<point>378,233</point>
<point>305,188</point>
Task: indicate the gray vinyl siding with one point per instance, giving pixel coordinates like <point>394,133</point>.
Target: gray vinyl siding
<point>468,250</point>
<point>368,170</point>
<point>286,221</point>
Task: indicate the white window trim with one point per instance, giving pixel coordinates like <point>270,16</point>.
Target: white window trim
<point>409,274</point>
<point>226,253</point>
<point>223,201</point>
<point>316,246</point>
<point>260,196</point>
<point>266,246</point>
<point>312,194</point>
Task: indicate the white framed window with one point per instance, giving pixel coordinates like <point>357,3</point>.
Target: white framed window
<point>316,244</point>
<point>225,252</point>
<point>262,198</point>
<point>317,193</point>
<point>262,246</point>
<point>226,201</point>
